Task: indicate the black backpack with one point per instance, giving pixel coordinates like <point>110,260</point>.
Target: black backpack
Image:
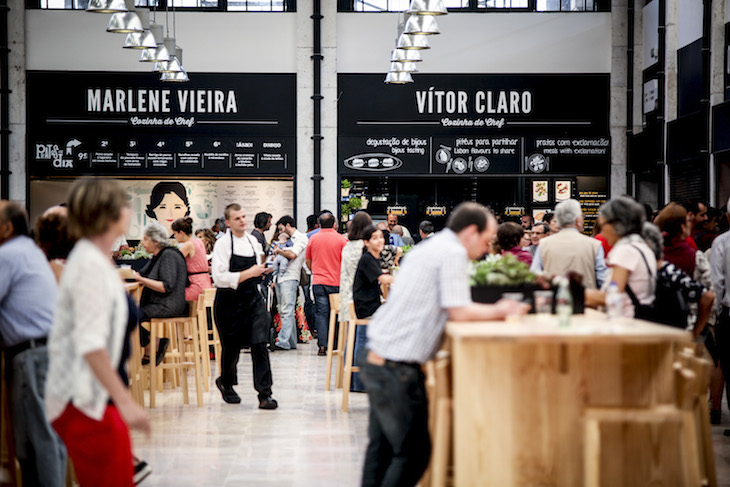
<point>669,307</point>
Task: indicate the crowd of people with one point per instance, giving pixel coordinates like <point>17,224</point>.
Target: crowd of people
<point>66,319</point>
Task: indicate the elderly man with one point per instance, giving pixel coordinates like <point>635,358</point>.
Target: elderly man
<point>425,229</point>
<point>396,236</point>
<point>570,250</point>
<point>27,304</point>
<point>392,222</point>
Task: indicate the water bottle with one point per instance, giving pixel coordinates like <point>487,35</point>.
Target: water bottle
<point>614,302</point>
<point>564,304</point>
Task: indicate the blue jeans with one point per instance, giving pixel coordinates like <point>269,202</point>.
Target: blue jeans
<point>399,445</point>
<point>40,451</point>
<point>322,310</point>
<point>286,295</point>
<point>361,340</point>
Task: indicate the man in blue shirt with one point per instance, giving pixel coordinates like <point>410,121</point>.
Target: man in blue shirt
<point>27,302</point>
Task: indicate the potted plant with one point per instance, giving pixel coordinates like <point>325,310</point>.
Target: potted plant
<point>345,186</point>
<point>499,274</point>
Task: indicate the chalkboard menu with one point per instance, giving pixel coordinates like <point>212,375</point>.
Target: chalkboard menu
<point>131,124</point>
<point>592,193</point>
<point>474,125</point>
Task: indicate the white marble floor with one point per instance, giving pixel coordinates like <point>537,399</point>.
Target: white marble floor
<point>308,440</point>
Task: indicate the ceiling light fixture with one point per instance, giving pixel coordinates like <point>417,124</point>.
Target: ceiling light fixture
<point>141,40</point>
<point>106,6</point>
<point>398,78</point>
<point>427,7</point>
<point>421,25</point>
<point>405,56</point>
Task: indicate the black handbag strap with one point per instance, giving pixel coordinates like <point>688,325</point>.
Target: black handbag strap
<point>632,296</point>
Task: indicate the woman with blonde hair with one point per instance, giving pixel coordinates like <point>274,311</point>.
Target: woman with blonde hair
<point>86,397</point>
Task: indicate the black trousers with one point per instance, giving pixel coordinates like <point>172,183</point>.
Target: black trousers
<point>399,445</point>
<point>262,380</point>
<point>722,347</point>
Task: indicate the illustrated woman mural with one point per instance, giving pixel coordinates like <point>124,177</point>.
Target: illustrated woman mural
<point>168,202</point>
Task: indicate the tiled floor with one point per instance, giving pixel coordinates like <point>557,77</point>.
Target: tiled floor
<point>308,441</point>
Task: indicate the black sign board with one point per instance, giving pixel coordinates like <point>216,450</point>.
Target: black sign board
<point>474,125</point>
<point>132,124</point>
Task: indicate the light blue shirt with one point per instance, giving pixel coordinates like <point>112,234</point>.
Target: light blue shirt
<point>396,240</point>
<point>601,267</point>
<point>720,268</point>
<point>312,232</point>
<point>28,292</point>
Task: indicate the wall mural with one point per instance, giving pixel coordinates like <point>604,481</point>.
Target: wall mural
<point>165,201</point>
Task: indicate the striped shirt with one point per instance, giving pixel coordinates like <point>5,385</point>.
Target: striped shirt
<point>434,277</point>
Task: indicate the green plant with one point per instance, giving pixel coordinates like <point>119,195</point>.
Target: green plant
<point>406,249</point>
<point>352,205</point>
<point>345,184</point>
<point>505,270</point>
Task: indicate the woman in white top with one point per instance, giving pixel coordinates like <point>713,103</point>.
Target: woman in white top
<point>86,398</point>
<point>351,254</point>
<point>631,261</point>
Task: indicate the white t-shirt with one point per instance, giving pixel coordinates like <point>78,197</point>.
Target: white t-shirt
<point>641,281</point>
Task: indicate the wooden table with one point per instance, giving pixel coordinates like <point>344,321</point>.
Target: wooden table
<point>521,391</point>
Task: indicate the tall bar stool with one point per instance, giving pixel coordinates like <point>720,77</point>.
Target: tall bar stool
<point>349,354</point>
<point>175,329</point>
<point>137,375</point>
<point>331,350</point>
<point>440,420</point>
<point>212,335</point>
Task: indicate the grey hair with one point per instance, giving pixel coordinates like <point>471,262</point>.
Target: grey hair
<point>567,212</point>
<point>654,239</point>
<point>626,215</point>
<point>157,233</point>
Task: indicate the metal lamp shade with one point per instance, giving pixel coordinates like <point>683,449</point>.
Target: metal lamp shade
<point>421,25</point>
<point>408,41</point>
<point>427,7</point>
<point>124,23</point>
<point>398,78</point>
<point>156,54</point>
<point>171,66</point>
<point>140,40</point>
<point>405,56</point>
<point>106,6</point>
<point>403,68</point>
<point>179,77</point>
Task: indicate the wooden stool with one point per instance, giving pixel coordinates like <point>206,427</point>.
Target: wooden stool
<point>137,375</point>
<point>176,333</point>
<point>440,421</point>
<point>331,350</point>
<point>212,335</point>
<point>350,353</point>
<point>626,447</point>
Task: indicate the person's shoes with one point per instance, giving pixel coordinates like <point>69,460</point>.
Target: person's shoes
<point>268,403</point>
<point>141,472</point>
<point>161,350</point>
<point>274,347</point>
<point>146,360</point>
<point>322,351</point>
<point>229,395</point>
<point>715,416</point>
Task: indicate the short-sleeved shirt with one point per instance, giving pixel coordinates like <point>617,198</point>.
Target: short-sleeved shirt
<point>366,289</point>
<point>641,279</point>
<point>28,292</point>
<point>325,252</point>
<point>294,268</point>
<point>409,326</point>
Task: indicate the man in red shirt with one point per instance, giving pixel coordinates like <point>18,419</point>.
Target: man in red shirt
<point>696,216</point>
<point>324,255</point>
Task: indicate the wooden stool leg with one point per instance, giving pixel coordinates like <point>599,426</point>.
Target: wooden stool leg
<point>330,351</point>
<point>153,364</point>
<point>348,366</point>
<point>204,350</point>
<point>340,354</point>
<point>442,443</point>
<point>183,372</point>
<point>197,359</point>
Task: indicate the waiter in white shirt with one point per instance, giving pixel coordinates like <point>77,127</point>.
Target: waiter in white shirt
<point>240,312</point>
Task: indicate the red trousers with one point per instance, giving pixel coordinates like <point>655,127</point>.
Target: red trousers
<point>100,450</point>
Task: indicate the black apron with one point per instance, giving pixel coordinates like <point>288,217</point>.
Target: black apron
<point>241,314</point>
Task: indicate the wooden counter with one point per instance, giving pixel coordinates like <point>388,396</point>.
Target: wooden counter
<point>521,392</point>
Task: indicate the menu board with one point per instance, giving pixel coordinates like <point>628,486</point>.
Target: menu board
<point>474,125</point>
<point>592,193</point>
<point>132,124</point>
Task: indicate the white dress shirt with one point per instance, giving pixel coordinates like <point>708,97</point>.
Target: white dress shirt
<point>246,246</point>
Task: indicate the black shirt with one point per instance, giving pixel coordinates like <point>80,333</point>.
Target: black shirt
<point>366,288</point>
<point>260,237</point>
